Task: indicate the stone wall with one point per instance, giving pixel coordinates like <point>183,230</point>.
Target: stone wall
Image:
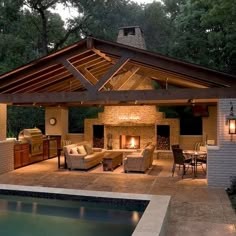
<point>131,36</point>
<point>221,158</point>
<point>131,120</point>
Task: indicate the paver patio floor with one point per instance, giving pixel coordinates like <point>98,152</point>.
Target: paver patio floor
<point>195,209</point>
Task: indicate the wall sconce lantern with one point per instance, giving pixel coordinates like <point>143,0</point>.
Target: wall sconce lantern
<point>231,121</point>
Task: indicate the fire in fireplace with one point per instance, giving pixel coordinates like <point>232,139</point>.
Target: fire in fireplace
<point>129,142</point>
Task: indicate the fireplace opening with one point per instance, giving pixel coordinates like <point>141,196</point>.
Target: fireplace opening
<point>129,142</point>
<point>163,137</point>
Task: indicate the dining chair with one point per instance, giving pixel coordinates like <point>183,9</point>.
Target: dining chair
<point>181,161</point>
<point>175,146</point>
<point>202,158</point>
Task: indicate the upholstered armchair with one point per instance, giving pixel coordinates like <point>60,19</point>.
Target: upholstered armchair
<point>152,148</point>
<point>139,161</point>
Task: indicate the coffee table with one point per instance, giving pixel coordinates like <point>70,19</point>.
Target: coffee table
<point>111,160</point>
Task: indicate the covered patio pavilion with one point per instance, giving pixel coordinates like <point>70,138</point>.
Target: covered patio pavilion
<point>103,73</point>
<point>97,72</point>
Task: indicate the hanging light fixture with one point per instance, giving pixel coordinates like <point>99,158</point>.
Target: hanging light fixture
<point>231,121</point>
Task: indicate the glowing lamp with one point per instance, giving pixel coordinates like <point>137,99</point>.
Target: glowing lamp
<point>231,121</point>
<point>232,126</point>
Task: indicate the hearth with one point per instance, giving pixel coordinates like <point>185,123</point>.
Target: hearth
<point>129,142</point>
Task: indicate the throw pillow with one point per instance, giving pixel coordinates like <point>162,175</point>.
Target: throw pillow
<point>81,150</point>
<point>74,150</point>
<point>88,149</point>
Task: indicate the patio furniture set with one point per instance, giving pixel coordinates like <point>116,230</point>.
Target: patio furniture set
<point>83,157</point>
<point>189,159</point>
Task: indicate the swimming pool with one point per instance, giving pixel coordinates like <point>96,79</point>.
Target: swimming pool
<point>48,211</point>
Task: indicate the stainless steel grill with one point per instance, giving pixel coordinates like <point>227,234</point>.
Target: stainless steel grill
<point>35,138</point>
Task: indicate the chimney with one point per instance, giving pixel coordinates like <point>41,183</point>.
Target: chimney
<point>131,36</point>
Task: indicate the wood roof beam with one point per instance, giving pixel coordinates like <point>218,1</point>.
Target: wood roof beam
<point>109,97</point>
<point>112,71</point>
<point>103,55</point>
<point>77,74</point>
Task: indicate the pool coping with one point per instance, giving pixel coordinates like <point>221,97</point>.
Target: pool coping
<point>153,221</point>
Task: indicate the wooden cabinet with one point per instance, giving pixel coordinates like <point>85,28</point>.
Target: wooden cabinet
<point>52,148</point>
<point>58,138</point>
<point>45,149</point>
<point>21,155</point>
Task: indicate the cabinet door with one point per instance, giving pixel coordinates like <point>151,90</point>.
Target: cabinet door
<point>25,156</point>
<point>17,159</point>
<point>45,149</point>
<point>53,148</point>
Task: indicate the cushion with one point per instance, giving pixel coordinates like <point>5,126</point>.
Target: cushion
<point>74,150</point>
<point>81,150</point>
<point>142,152</point>
<point>88,149</point>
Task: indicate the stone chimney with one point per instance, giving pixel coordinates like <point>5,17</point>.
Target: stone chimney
<point>131,36</point>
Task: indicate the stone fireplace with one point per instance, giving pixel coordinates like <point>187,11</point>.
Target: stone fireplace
<point>145,123</point>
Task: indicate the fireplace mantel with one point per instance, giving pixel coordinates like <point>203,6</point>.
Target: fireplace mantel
<point>129,124</point>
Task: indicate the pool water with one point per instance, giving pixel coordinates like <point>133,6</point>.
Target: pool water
<point>32,216</point>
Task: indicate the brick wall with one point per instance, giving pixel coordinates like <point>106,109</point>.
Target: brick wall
<point>222,158</point>
<point>6,156</point>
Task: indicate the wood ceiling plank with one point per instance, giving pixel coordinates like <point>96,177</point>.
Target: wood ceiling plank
<point>27,76</point>
<point>125,77</point>
<point>99,67</point>
<point>69,85</point>
<point>84,61</point>
<point>20,87</point>
<point>43,85</point>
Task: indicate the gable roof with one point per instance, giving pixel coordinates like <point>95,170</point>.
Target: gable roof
<point>88,67</point>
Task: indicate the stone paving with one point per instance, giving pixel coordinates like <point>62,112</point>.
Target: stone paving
<point>195,209</point>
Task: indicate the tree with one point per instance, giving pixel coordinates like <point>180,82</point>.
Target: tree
<point>205,34</point>
<point>220,23</point>
<point>156,28</point>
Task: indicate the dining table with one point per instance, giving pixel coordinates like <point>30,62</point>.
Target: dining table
<point>194,155</point>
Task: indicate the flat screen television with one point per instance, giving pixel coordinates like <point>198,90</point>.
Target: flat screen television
<point>200,110</point>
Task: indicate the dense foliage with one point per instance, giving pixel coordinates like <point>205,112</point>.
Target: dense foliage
<point>198,31</point>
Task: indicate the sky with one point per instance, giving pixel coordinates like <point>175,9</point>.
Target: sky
<point>66,13</point>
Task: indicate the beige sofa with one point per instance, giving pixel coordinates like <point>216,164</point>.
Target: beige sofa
<point>82,156</point>
<point>139,161</point>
